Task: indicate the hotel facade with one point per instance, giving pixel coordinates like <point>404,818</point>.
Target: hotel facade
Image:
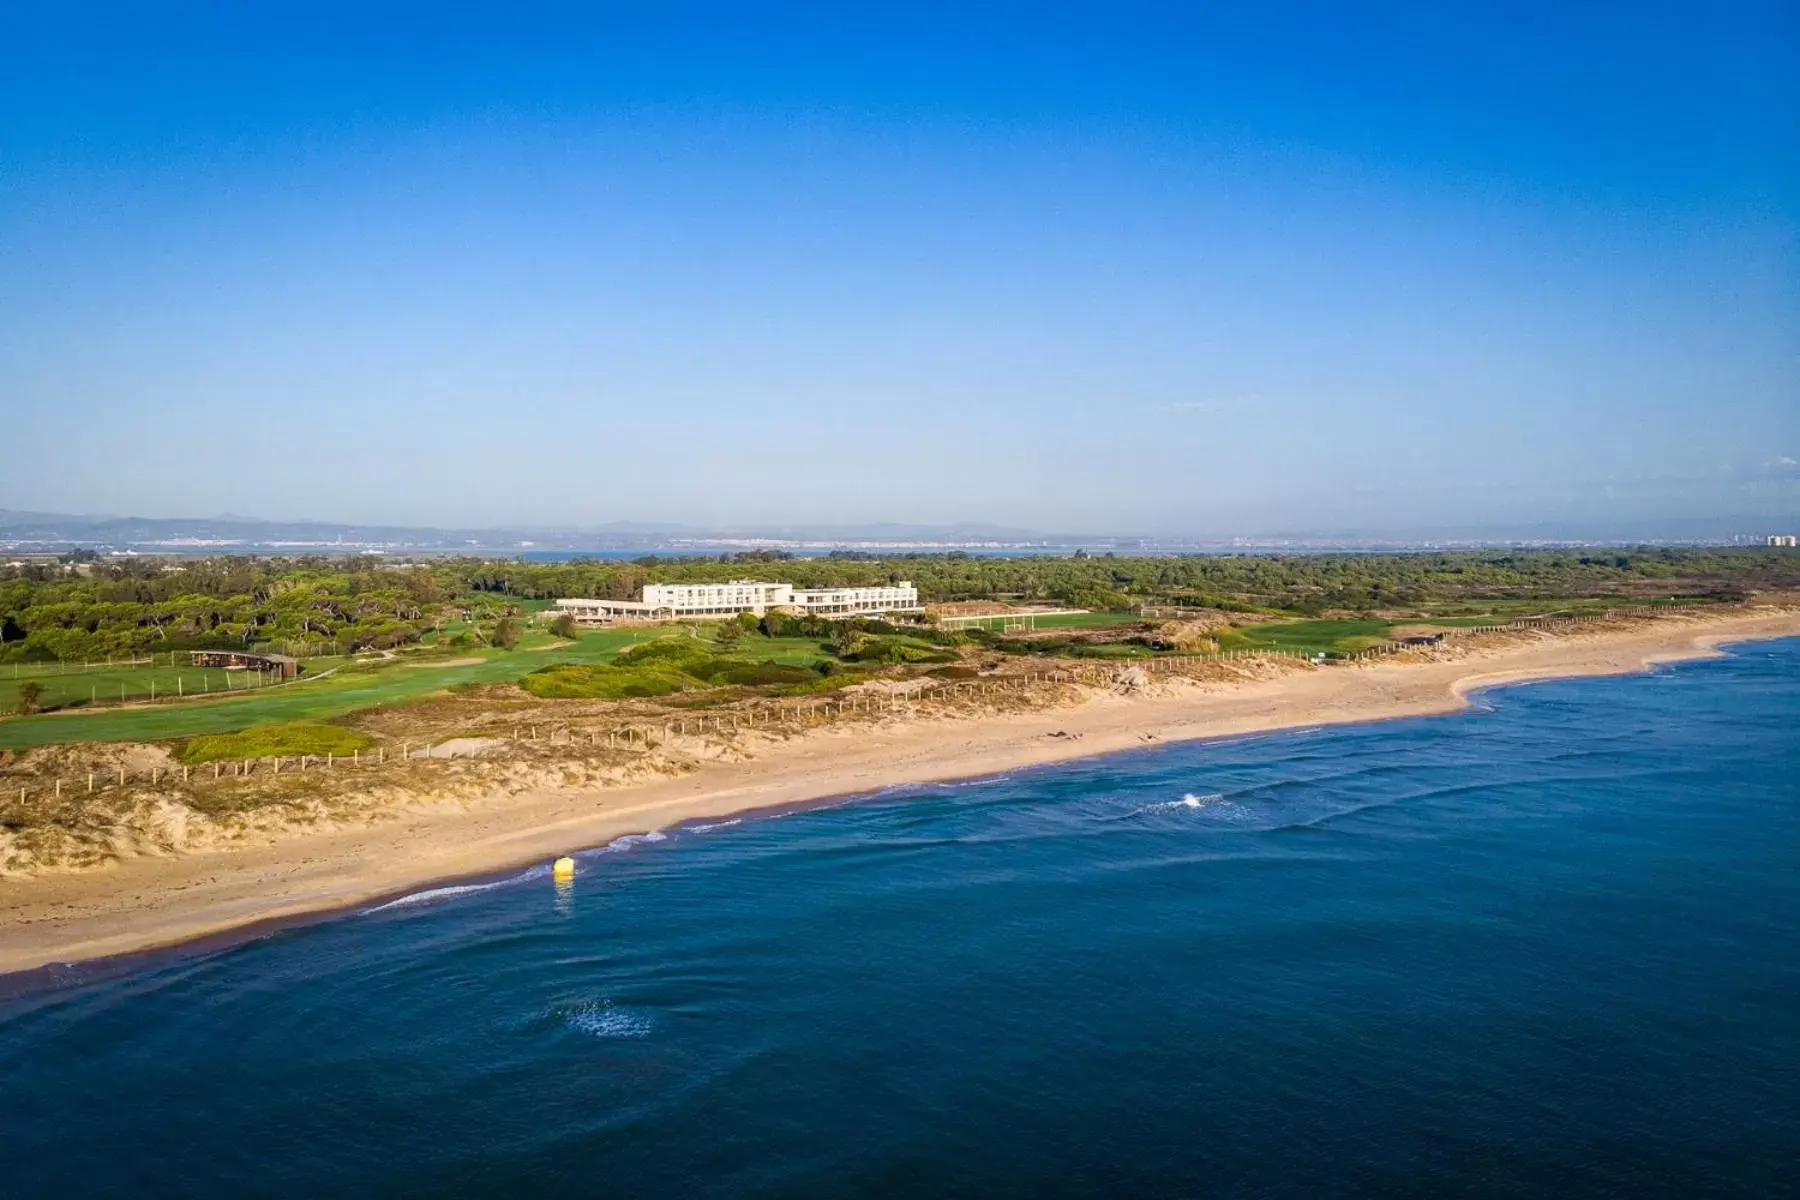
<point>688,601</point>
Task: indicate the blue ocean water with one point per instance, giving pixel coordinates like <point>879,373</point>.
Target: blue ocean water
<point>1547,948</point>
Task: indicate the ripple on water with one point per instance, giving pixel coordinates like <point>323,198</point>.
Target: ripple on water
<point>604,1019</point>
<point>1188,800</point>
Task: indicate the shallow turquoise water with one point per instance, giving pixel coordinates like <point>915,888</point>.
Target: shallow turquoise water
<point>1549,948</point>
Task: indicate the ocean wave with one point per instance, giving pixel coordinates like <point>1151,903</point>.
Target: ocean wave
<point>604,1019</point>
<point>952,785</point>
<point>633,839</point>
<point>715,825</point>
<point>451,891</point>
<point>457,889</point>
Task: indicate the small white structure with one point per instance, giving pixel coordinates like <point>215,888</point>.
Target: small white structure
<point>686,601</point>
<point>1784,539</point>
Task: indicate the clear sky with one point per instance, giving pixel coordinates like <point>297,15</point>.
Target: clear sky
<point>1098,267</point>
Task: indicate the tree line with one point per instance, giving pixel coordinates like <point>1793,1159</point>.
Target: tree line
<point>93,610</point>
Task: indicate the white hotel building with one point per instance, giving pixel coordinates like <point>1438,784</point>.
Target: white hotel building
<point>679,601</point>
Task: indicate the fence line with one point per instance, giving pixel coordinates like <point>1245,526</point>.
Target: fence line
<point>1528,623</point>
<point>780,715</point>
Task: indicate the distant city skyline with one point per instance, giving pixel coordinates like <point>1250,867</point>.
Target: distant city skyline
<point>1149,270</point>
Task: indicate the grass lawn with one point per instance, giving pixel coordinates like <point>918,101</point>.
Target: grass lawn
<point>350,690</point>
<point>101,685</point>
<point>787,651</point>
<point>1307,637</point>
<point>1091,620</point>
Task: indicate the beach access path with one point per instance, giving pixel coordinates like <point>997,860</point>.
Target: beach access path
<point>155,901</point>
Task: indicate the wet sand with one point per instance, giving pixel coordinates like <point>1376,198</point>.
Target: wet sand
<point>149,902</point>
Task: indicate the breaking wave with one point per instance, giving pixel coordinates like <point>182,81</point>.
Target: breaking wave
<point>457,889</point>
<point>1188,800</point>
<point>634,839</point>
<point>451,891</point>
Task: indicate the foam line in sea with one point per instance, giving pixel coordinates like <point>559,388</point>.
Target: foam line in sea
<point>458,889</point>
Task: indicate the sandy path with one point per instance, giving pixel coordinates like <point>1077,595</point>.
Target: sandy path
<point>157,901</point>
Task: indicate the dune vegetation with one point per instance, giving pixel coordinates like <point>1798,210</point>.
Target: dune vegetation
<point>273,741</point>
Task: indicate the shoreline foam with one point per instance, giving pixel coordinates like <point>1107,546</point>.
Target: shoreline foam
<point>154,904</point>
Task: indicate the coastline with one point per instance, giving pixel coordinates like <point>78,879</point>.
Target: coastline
<point>155,902</point>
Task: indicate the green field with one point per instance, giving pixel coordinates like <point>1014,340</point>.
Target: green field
<point>411,675</point>
<point>350,690</point>
<point>1092,620</point>
<point>1307,637</point>
<point>114,685</point>
<point>786,651</point>
<point>683,664</point>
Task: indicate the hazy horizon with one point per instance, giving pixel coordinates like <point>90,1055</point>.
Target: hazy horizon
<point>1149,271</point>
<point>157,534</point>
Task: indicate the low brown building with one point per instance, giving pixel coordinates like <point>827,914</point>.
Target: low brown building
<point>242,660</point>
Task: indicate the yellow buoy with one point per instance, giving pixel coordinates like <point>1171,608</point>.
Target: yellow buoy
<point>563,868</point>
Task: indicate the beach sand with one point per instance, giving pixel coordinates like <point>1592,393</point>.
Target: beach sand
<point>155,901</point>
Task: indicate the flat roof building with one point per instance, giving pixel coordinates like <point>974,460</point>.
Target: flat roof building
<point>687,601</point>
<point>242,660</point>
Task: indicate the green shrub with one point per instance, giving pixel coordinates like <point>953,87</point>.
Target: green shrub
<point>893,651</point>
<point>268,741</point>
<point>601,682</point>
<point>679,654</point>
<point>780,624</point>
<point>759,674</point>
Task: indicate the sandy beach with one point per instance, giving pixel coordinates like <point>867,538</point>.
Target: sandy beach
<point>155,901</point>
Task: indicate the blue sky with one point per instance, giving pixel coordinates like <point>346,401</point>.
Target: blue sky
<point>1074,267</point>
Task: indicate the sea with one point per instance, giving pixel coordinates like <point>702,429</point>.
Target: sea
<point>1546,947</point>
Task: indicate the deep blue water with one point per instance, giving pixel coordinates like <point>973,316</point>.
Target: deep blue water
<point>1552,948</point>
